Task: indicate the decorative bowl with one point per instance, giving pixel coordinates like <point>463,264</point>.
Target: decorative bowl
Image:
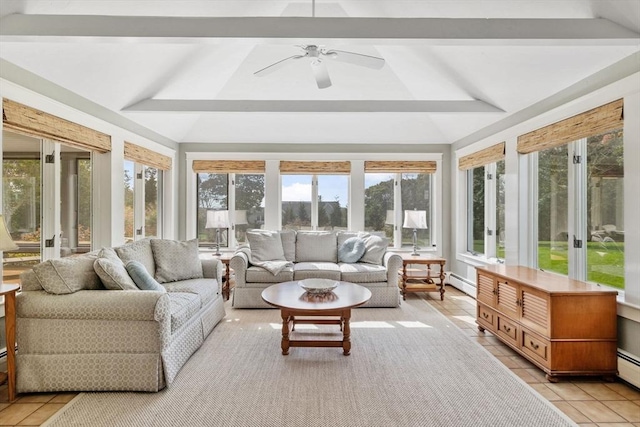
<point>318,286</point>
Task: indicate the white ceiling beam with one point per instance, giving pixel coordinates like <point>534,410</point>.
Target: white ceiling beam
<point>27,28</point>
<point>320,106</point>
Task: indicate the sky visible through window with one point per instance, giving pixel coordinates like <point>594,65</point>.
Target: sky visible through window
<point>293,190</point>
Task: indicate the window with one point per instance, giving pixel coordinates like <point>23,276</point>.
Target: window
<point>296,202</point>
<point>249,204</point>
<point>389,194</point>
<point>379,206</point>
<point>475,210</point>
<point>577,166</point>
<point>213,195</point>
<point>152,196</point>
<point>416,195</point>
<point>332,201</point>
<point>485,171</point>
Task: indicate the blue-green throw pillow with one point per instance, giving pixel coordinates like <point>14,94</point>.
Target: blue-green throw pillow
<point>142,278</point>
<point>351,250</point>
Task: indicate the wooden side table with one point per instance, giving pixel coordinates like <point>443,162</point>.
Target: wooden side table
<point>9,294</point>
<point>422,280</point>
<point>226,285</point>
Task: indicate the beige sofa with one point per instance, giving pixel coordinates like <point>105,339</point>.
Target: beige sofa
<point>75,335</point>
<point>314,254</point>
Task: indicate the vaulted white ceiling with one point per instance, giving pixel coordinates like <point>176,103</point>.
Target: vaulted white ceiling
<point>184,69</point>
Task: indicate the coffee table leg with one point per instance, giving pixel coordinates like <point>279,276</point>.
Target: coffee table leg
<point>285,332</point>
<point>346,332</point>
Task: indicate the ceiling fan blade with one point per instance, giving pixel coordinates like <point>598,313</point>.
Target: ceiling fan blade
<point>356,58</point>
<point>276,66</point>
<point>321,74</point>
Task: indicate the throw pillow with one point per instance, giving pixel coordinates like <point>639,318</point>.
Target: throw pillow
<point>376,247</point>
<point>142,278</point>
<point>114,275</point>
<point>176,260</point>
<point>316,246</point>
<point>68,275</point>
<point>138,251</point>
<point>265,245</point>
<point>351,250</point>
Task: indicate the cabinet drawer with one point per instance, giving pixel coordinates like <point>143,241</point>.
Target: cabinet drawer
<point>487,317</point>
<point>537,346</point>
<point>508,330</point>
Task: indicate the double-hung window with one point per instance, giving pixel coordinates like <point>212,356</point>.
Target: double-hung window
<point>578,169</point>
<point>485,201</point>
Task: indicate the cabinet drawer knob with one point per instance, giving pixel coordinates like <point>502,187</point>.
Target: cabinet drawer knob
<point>493,291</point>
<point>508,329</point>
<point>485,315</point>
<point>534,345</point>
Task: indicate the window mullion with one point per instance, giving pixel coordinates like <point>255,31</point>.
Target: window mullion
<point>397,203</point>
<point>490,210</point>
<point>577,226</point>
<point>138,201</point>
<point>314,202</point>
<point>231,206</point>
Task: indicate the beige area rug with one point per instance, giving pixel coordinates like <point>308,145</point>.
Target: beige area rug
<point>408,366</point>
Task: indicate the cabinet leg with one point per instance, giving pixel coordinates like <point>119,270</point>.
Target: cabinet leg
<point>480,328</point>
<point>551,378</point>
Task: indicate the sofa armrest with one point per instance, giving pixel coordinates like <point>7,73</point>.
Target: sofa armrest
<point>95,305</point>
<point>212,268</point>
<point>393,262</point>
<point>239,264</point>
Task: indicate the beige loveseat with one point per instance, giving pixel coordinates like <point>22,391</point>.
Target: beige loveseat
<point>75,335</point>
<point>314,254</point>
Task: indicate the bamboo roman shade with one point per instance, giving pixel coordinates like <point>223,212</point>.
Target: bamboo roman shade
<point>28,121</point>
<point>593,122</point>
<point>146,157</point>
<point>424,166</point>
<point>491,154</point>
<point>321,168</point>
<point>228,166</point>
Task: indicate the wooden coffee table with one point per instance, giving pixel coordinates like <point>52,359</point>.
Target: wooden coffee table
<point>294,302</point>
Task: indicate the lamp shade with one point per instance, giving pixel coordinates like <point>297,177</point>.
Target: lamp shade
<point>415,219</point>
<point>241,217</point>
<point>391,218</point>
<point>217,219</point>
<point>6,242</point>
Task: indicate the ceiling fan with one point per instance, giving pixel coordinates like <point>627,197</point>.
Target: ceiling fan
<point>317,55</point>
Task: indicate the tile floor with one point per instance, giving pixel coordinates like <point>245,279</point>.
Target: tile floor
<point>587,401</point>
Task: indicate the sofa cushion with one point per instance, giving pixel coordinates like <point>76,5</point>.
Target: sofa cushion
<point>265,245</point>
<point>257,274</point>
<point>138,251</point>
<point>113,275</point>
<point>351,250</point>
<point>314,246</point>
<point>29,281</point>
<point>316,270</point>
<point>344,235</point>
<point>206,289</point>
<point>68,275</point>
<point>183,307</point>
<point>288,238</point>
<point>176,260</point>
<point>363,273</point>
<point>142,278</point>
<point>376,247</point>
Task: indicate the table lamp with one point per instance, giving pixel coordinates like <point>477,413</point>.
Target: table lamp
<point>415,219</point>
<point>217,220</point>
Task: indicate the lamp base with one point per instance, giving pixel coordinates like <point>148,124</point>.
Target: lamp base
<point>415,243</point>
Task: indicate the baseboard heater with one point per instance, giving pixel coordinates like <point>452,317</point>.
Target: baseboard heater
<point>629,368</point>
<point>462,284</point>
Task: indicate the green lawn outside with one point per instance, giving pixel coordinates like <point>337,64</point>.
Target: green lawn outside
<point>605,261</point>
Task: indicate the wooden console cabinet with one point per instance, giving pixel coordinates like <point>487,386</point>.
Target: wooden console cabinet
<point>563,326</point>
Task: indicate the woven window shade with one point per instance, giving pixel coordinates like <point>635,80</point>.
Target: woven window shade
<point>228,166</point>
<point>31,122</point>
<point>320,168</point>
<point>593,122</point>
<point>492,154</point>
<point>146,157</point>
<point>374,166</point>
